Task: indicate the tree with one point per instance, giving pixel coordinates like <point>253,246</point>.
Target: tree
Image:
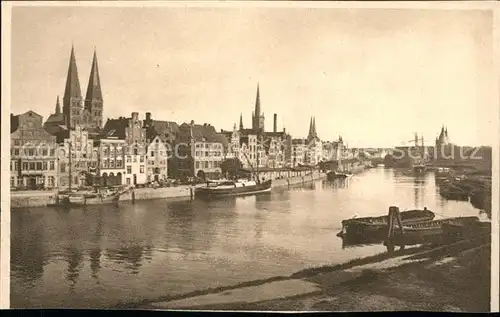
<point>231,167</point>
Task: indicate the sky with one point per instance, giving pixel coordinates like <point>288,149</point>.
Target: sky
<point>373,76</point>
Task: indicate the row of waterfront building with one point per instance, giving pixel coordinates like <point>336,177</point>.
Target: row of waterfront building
<point>73,147</point>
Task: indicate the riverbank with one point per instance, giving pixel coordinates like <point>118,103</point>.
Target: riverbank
<point>23,199</point>
<point>454,277</point>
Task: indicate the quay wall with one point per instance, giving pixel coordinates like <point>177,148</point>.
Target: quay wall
<point>31,199</point>
<point>295,180</point>
<point>155,193</point>
<point>43,198</point>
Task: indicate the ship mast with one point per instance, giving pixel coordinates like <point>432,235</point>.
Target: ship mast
<point>70,163</point>
<point>251,166</point>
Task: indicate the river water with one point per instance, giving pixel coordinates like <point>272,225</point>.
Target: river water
<point>102,256</point>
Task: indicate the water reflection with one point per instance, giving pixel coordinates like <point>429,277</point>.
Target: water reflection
<point>336,183</point>
<point>74,258</point>
<point>159,247</point>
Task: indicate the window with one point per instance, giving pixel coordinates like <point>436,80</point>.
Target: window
<point>206,164</point>
<point>141,169</point>
<point>32,166</point>
<point>152,154</point>
<point>135,159</point>
<point>31,152</point>
<point>16,151</point>
<point>105,163</point>
<point>63,167</point>
<point>129,169</point>
<point>45,166</point>
<point>206,154</point>
<point>17,142</point>
<point>128,180</point>
<point>111,163</point>
<point>50,181</point>
<point>197,165</point>
<point>12,181</point>
<point>129,159</point>
<point>141,159</point>
<point>11,166</point>
<point>44,152</point>
<point>119,163</point>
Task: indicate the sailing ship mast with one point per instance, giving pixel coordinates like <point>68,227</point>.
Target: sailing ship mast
<point>70,163</point>
<point>251,166</point>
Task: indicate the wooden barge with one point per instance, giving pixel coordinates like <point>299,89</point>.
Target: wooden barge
<point>376,227</point>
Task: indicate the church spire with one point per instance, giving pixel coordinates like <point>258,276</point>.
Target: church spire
<point>241,121</point>
<point>72,89</point>
<point>257,103</point>
<point>310,127</point>
<point>314,127</point>
<point>58,106</point>
<point>94,88</point>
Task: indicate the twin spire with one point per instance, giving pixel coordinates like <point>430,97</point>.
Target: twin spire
<point>73,89</point>
<point>443,136</point>
<point>312,128</point>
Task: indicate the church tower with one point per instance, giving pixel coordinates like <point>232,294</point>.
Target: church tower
<point>72,99</point>
<point>312,135</point>
<point>93,98</point>
<point>258,118</point>
<point>58,107</point>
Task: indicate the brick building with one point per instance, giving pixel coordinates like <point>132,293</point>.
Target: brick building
<point>33,162</point>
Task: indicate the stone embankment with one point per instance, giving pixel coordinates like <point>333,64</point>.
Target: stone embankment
<point>23,199</point>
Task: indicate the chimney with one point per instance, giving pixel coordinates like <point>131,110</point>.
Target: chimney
<point>135,115</point>
<point>148,116</point>
<point>275,127</point>
<point>192,122</point>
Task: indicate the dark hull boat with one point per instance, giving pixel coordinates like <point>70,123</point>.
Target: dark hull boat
<point>428,232</point>
<point>376,227</point>
<point>226,189</point>
<point>338,175</point>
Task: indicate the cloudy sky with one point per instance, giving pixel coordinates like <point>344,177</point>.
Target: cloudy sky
<point>374,76</point>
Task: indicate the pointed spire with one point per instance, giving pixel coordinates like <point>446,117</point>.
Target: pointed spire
<point>72,83</point>
<point>310,127</point>
<point>58,106</point>
<point>257,105</point>
<point>314,127</point>
<point>241,121</point>
<point>94,87</point>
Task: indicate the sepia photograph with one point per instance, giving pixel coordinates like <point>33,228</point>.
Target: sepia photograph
<point>251,156</point>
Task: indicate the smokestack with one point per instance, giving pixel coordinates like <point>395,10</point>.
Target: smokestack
<point>275,127</point>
